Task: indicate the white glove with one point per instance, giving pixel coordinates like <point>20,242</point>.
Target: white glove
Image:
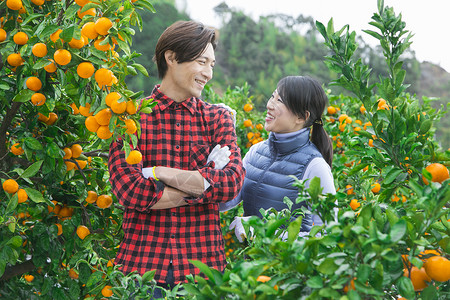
<point>220,156</point>
<point>239,230</point>
<point>232,112</point>
<point>147,172</point>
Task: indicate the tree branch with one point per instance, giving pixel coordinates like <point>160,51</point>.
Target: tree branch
<point>19,269</point>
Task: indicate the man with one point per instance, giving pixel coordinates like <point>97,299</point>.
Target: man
<point>173,216</point>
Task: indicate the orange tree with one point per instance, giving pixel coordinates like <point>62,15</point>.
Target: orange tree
<point>62,100</point>
<point>392,235</point>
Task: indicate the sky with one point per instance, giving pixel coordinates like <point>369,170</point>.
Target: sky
<point>427,20</point>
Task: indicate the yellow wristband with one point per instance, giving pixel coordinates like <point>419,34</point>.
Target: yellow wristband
<point>154,175</point>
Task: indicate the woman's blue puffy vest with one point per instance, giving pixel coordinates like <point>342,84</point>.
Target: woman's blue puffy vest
<point>267,180</point>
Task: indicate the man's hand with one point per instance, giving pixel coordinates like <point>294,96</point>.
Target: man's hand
<point>220,156</point>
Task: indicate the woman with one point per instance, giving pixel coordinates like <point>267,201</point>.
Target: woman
<point>297,145</point>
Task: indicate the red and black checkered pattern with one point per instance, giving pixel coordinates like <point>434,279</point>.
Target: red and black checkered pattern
<point>177,135</point>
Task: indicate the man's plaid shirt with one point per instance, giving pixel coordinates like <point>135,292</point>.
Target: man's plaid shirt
<point>176,135</point>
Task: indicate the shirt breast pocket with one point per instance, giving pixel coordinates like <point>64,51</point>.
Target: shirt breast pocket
<point>199,155</point>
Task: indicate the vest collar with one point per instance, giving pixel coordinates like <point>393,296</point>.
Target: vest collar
<point>290,144</point>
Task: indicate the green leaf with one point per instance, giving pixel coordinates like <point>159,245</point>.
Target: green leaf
<point>314,189</point>
<point>315,282</point>
<point>36,196</point>
<point>398,231</point>
<point>33,143</point>
<point>374,34</point>
<point>391,176</point>
<point>425,126</point>
<point>95,278</point>
<point>32,170</point>
<point>405,287</point>
<point>294,229</point>
<point>321,28</point>
<point>15,241</point>
<point>273,225</point>
<point>12,204</point>
<point>328,266</point>
<point>203,268</point>
<point>148,276</point>
<point>141,69</point>
<point>23,96</point>
<point>68,33</point>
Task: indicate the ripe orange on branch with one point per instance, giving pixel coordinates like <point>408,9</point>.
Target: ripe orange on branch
<point>102,25</point>
<point>103,76</point>
<point>39,50</point>
<point>438,171</point>
<point>103,117</point>
<point>38,99</point>
<point>85,70</point>
<point>33,83</point>
<point>134,157</point>
<point>438,268</point>
<point>111,97</point>
<point>89,31</point>
<point>16,149</point>
<point>15,59</point>
<point>419,278</point>
<point>10,186</point>
<point>62,57</point>
<point>20,38</point>
<point>14,4</point>
<point>104,201</point>
<point>3,35</point>
<point>76,150</point>
<point>91,124</point>
<point>82,232</point>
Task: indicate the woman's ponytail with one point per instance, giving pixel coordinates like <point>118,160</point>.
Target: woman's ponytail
<point>320,138</point>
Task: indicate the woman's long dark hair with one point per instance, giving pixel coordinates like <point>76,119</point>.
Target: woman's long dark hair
<point>302,94</point>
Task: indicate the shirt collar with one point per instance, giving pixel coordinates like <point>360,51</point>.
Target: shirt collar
<point>165,101</point>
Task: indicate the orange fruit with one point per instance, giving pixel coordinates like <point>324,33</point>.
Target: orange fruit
<point>65,212</point>
<point>20,38</point>
<point>134,157</point>
<point>76,44</point>
<point>418,277</point>
<point>438,172</point>
<point>14,4</point>
<point>81,164</point>
<point>28,278</point>
<point>16,149</point>
<point>85,110</point>
<point>22,195</point>
<point>76,150</point>
<point>118,107</point>
<point>248,107</point>
<point>51,67</point>
<point>34,83</point>
<point>103,76</point>
<point>350,286</point>
<point>260,127</point>
<point>82,231</point>
<point>62,57</point>
<point>111,97</point>
<point>75,109</point>
<point>39,50</point>
<point>263,278</point>
<point>103,117</point>
<point>73,274</point>
<point>131,126</point>
<point>110,263</point>
<point>354,204</point>
<point>52,118</point>
<point>10,186</point>
<point>55,36</point>
<point>91,197</point>
<point>91,124</point>
<point>103,132</point>
<point>38,2</point>
<point>89,12</point>
<point>247,123</point>
<point>42,118</point>
<point>438,268</point>
<point>376,188</point>
<point>331,110</point>
<point>107,291</point>
<point>371,143</point>
<point>102,25</point>
<point>60,230</point>
<point>3,35</point>
<point>85,70</point>
<point>15,59</point>
<point>102,47</point>
<point>362,109</point>
<point>82,2</point>
<point>67,153</point>
<point>131,108</point>
<point>88,30</point>
<point>349,189</point>
<point>69,165</point>
<point>38,99</point>
<point>104,201</point>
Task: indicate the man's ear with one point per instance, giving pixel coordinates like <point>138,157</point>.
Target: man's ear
<point>169,55</point>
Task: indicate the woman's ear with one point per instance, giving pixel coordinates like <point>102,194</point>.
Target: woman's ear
<point>307,115</point>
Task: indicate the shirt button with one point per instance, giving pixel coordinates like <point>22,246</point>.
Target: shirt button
<point>174,214</point>
<point>177,146</point>
<point>172,236</point>
<point>178,124</point>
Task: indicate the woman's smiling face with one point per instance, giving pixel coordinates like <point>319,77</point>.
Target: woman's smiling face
<point>279,118</point>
